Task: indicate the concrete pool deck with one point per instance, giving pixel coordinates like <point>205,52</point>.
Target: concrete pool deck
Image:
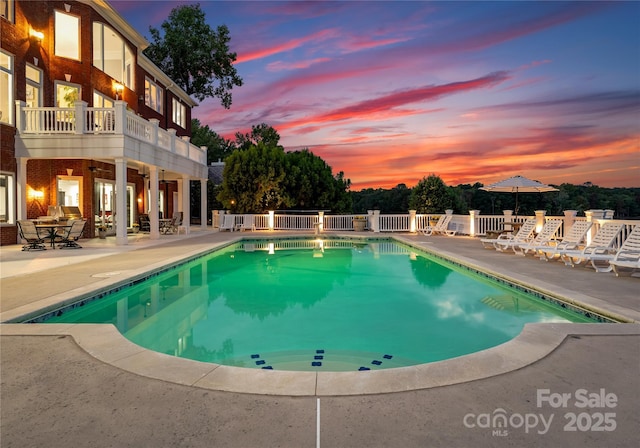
<point>50,385</point>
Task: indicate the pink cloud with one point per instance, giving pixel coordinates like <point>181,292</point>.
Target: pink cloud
<point>290,44</point>
<point>280,65</point>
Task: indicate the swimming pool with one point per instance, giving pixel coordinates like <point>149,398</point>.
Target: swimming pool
<point>330,304</point>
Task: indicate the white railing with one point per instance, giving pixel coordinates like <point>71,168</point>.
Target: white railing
<point>103,120</point>
<point>475,225</point>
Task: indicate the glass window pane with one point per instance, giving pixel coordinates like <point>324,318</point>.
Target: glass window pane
<point>67,36</point>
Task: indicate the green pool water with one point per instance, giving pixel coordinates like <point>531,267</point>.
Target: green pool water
<point>332,305</point>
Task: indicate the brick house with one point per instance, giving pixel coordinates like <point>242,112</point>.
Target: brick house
<point>86,119</point>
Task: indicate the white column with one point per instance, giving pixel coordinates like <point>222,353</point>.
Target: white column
<point>203,204</point>
<point>184,187</point>
<point>21,190</point>
<point>154,224</point>
<point>121,202</point>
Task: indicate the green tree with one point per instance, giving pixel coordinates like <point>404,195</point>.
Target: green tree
<point>431,195</point>
<point>218,148</point>
<point>261,133</point>
<point>310,183</point>
<point>194,55</point>
<point>252,180</point>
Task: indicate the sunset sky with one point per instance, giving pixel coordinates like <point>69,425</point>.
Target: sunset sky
<point>390,92</point>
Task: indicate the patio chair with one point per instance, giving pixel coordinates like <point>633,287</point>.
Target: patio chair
<point>602,248</point>
<point>176,222</point>
<point>506,240</point>
<point>441,227</point>
<point>29,233</point>
<point>571,241</point>
<point>546,235</point>
<point>70,239</point>
<point>144,222</point>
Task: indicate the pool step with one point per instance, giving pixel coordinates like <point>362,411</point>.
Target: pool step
<point>320,360</point>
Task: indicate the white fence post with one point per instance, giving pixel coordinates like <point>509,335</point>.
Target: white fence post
<point>412,221</point>
<point>272,220</point>
<point>120,110</point>
<point>569,219</point>
<point>472,221</point>
<point>593,216</point>
<point>540,220</point>
<point>81,116</point>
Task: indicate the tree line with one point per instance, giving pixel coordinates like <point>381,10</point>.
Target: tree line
<point>432,195</point>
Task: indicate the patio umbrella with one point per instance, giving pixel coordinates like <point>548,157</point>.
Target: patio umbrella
<point>519,184</point>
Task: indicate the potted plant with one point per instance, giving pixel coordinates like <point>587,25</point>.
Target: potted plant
<point>102,231</point>
<point>136,227</point>
<point>433,220</point>
<point>359,223</point>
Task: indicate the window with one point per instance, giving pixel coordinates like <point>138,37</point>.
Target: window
<point>100,100</point>
<point>153,95</point>
<point>6,88</point>
<point>112,55</point>
<point>179,113</point>
<point>67,37</point>
<point>66,94</point>
<point>7,9</point>
<point>7,200</point>
<point>34,86</point>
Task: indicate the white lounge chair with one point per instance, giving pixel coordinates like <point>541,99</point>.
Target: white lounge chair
<point>506,240</point>
<point>602,248</point>
<point>627,260</point>
<point>441,227</point>
<point>628,256</point>
<point>228,223</point>
<point>546,235</point>
<point>247,223</point>
<point>571,241</point>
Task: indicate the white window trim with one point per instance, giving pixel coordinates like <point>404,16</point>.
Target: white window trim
<point>11,199</point>
<point>11,87</point>
<point>158,97</point>
<point>35,84</point>
<point>179,113</point>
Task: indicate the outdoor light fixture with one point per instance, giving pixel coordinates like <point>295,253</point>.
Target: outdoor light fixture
<point>118,88</point>
<point>37,36</point>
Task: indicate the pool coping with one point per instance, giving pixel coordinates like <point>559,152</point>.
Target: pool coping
<point>106,344</point>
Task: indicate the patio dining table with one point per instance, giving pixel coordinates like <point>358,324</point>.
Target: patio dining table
<point>514,226</point>
<point>51,230</point>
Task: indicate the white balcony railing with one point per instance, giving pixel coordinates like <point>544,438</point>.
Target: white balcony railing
<point>83,120</point>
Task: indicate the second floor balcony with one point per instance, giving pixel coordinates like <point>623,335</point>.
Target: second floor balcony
<point>104,132</point>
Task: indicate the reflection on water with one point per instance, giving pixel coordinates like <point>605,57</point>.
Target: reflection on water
<point>333,297</point>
